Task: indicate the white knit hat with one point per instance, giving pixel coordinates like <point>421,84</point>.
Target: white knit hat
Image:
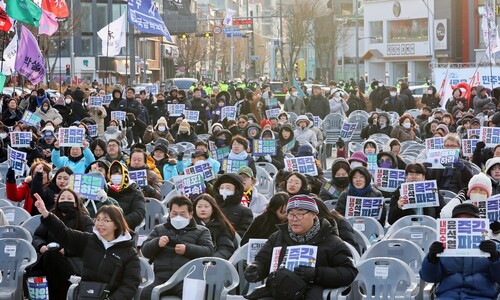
<point>481,181</point>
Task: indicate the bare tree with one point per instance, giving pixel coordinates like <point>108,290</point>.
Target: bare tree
<point>191,51</point>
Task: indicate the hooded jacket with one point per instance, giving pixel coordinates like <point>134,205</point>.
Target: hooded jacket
<point>306,134</point>
<point>240,216</point>
<point>495,184</point>
<point>278,159</point>
<point>284,142</point>
<point>431,100</point>
<point>222,240</point>
<point>77,166</point>
<point>51,114</point>
<point>335,190</point>
<point>318,106</point>
<point>376,127</point>
<point>479,101</point>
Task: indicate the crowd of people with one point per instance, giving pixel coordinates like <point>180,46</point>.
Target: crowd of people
<point>96,238</point>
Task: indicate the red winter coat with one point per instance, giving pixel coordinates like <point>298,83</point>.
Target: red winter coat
<point>18,194</point>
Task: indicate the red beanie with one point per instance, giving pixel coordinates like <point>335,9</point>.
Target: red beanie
<point>264,123</point>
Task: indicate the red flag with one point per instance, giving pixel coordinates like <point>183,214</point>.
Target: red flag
<point>57,7</point>
<point>5,23</point>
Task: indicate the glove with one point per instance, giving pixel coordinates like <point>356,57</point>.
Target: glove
<point>434,250</point>
<point>480,145</point>
<point>268,158</point>
<point>148,190</point>
<point>11,176</point>
<point>308,274</point>
<point>252,273</point>
<point>180,156</point>
<point>491,248</point>
<point>101,195</point>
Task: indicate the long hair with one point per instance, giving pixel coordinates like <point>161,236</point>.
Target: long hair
<point>217,214</point>
<point>79,211</point>
<point>65,169</point>
<point>116,216</point>
<point>268,218</point>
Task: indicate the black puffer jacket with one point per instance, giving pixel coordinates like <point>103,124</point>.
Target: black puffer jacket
<point>196,238</point>
<point>395,213</point>
<point>222,240</point>
<point>333,261</point>
<point>48,193</point>
<point>99,263</point>
<point>132,202</point>
<point>240,216</point>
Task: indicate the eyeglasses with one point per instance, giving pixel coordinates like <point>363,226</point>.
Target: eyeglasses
<point>297,216</point>
<point>388,160</point>
<point>103,221</point>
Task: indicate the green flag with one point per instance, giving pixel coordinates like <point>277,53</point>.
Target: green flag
<point>25,11</point>
<point>2,82</point>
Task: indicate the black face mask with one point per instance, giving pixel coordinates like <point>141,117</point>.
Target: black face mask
<point>341,181</point>
<point>67,208</point>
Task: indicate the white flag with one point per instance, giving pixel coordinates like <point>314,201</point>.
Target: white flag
<point>490,31</point>
<point>9,57</point>
<point>113,36</point>
<point>228,19</point>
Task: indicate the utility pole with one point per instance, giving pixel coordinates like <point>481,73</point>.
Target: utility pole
<point>72,45</point>
<point>357,39</point>
<point>281,42</point>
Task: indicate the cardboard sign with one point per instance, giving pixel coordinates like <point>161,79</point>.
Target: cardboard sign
<point>95,101</point>
<point>302,255</point>
<point>490,136</point>
<point>71,137</point>
<point>30,118</point>
<point>190,185</point>
<point>328,188</point>
<point>107,99</point>
<point>139,176</point>
<point>228,112</point>
<point>347,130</point>
<point>118,115</point>
<point>192,116</point>
<point>468,146</point>
<point>264,147</point>
<point>489,209</point>
<point>232,166</point>
<point>87,185</point>
<point>364,207</point>
<point>388,180</point>
<point>205,169</point>
<point>419,194</point>
<point>272,113</point>
<point>434,143</point>
<point>254,246</point>
<point>440,158</point>
<point>16,160</point>
<point>20,139</point>
<point>176,110</point>
<point>462,237</point>
<point>304,165</point>
<point>289,146</point>
<point>220,153</point>
<point>93,130</point>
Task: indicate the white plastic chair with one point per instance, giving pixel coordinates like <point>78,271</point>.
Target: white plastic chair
<point>413,220</point>
<point>368,226</point>
<point>156,213</point>
<point>5,202</point>
<point>239,261</point>
<point>32,224</point>
<point>17,255</point>
<point>265,184</point>
<point>13,231</point>
<point>423,236</point>
<point>15,215</point>
<point>166,187</point>
<point>269,167</point>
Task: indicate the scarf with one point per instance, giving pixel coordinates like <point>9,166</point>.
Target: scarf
<point>75,159</point>
<point>359,193</point>
<point>303,239</point>
<point>242,156</point>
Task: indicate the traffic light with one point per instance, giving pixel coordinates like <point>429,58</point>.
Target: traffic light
<point>208,34</point>
<point>68,70</point>
<point>184,36</point>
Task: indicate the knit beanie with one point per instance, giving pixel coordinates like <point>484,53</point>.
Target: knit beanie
<point>264,123</point>
<point>481,181</point>
<point>302,202</point>
<point>444,128</point>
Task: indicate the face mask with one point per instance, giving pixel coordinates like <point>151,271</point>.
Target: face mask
<point>407,125</point>
<point>430,92</point>
<point>342,181</point>
<point>3,135</point>
<point>380,84</point>
<point>68,101</point>
<point>179,222</point>
<point>356,164</point>
<point>393,94</point>
<point>477,197</point>
<point>386,165</point>
<point>295,94</point>
<point>66,207</point>
<point>161,128</point>
<point>112,129</point>
<point>225,193</point>
<point>116,179</point>
<point>199,162</point>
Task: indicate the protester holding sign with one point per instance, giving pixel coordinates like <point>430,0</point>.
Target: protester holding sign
<point>239,147</point>
<point>359,186</point>
<point>138,159</point>
<point>339,182</point>
<point>287,139</point>
<point>98,114</point>
<point>463,277</point>
<point>78,158</point>
<point>277,158</point>
<point>415,172</point>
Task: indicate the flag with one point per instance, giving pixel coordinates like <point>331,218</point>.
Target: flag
<point>2,82</point>
<point>29,60</point>
<point>57,7</point>
<point>48,23</point>
<point>490,31</point>
<point>228,19</point>
<point>5,23</point>
<point>24,11</point>
<point>9,57</point>
<point>113,36</point>
<point>144,15</point>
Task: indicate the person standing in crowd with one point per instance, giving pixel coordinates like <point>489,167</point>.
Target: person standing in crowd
<point>294,103</point>
<point>338,105</point>
<point>393,102</point>
<point>201,105</point>
<point>431,98</point>
<point>481,99</point>
<point>318,105</point>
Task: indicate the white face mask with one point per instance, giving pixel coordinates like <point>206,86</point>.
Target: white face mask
<point>225,193</point>
<point>68,101</point>
<point>407,125</point>
<point>199,162</point>
<point>429,92</point>
<point>295,94</point>
<point>161,128</point>
<point>380,84</point>
<point>356,164</point>
<point>116,179</point>
<point>3,135</point>
<point>393,94</point>
<point>477,197</point>
<point>179,222</point>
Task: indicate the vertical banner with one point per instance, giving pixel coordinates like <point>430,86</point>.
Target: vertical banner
<point>436,143</point>
<point>93,130</point>
<point>461,237</point>
<point>17,160</point>
<point>107,99</point>
<point>468,146</point>
<point>490,136</point>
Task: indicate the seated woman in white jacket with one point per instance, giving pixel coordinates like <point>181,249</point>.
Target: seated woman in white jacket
<point>47,112</point>
<point>479,189</point>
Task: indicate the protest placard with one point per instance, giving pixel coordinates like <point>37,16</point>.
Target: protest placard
<point>228,112</point>
<point>316,121</point>
<point>30,118</point>
<point>176,110</point>
<point>468,146</point>
<point>20,139</point>
<point>71,137</point>
<point>372,163</point>
<point>434,143</point>
<point>263,147</point>
<point>272,113</point>
<point>419,194</point>
<point>93,130</point>
<point>489,209</point>
<point>192,116</point>
<point>204,169</point>
<point>232,166</point>
<point>190,185</point>
<point>388,180</point>
<point>364,207</point>
<point>153,89</point>
<point>17,160</point>
<point>461,237</point>
<point>95,101</point>
<point>331,190</point>
<point>254,246</point>
<point>220,153</point>
<point>139,176</point>
<point>490,136</point>
<point>272,102</point>
<point>301,255</point>
<point>107,99</point>
<point>87,185</point>
<point>441,158</point>
<point>305,165</point>
<point>347,130</point>
<point>474,133</point>
<point>118,115</point>
<point>289,146</point>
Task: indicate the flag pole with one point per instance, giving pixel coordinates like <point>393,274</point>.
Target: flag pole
<point>60,65</point>
<point>3,49</point>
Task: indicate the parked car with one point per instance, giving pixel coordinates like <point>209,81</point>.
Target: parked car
<point>181,83</point>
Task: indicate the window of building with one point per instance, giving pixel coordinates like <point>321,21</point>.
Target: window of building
<point>403,31</point>
<point>376,32</point>
<point>86,21</point>
<point>87,46</point>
